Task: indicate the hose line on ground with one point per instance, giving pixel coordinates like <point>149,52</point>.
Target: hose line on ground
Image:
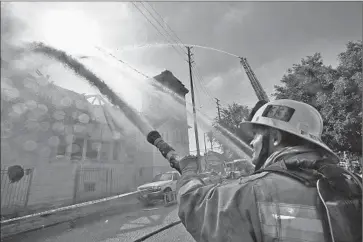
<point>157,231</point>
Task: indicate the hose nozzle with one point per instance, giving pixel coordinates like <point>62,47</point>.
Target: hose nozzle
<point>165,149</point>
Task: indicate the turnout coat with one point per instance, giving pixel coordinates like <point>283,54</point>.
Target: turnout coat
<point>263,207</point>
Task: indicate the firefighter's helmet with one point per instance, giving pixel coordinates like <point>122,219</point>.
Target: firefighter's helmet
<point>291,116</point>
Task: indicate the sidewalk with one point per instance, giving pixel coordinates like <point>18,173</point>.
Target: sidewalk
<point>116,226</point>
<point>127,203</point>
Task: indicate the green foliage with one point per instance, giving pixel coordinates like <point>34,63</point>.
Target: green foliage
<point>211,138</point>
<point>335,92</point>
<point>231,117</point>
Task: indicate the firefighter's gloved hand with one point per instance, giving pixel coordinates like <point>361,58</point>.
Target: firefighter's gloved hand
<point>189,164</point>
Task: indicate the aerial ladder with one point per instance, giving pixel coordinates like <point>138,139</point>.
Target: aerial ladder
<point>260,93</point>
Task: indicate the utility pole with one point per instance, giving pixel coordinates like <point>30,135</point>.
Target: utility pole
<point>218,108</point>
<point>205,144</point>
<point>194,112</point>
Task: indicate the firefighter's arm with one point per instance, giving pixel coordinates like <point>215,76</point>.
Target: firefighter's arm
<point>216,213</point>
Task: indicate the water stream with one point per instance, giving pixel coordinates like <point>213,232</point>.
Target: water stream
<point>149,87</point>
<point>179,45</point>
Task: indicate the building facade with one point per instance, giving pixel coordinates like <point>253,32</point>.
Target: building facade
<point>70,147</point>
<point>73,150</point>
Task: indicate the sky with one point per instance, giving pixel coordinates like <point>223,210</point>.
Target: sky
<point>271,35</point>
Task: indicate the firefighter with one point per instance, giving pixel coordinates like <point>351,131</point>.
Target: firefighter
<point>280,201</point>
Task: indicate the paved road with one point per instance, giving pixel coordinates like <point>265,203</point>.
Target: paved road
<point>119,227</point>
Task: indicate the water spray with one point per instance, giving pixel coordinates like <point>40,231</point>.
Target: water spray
<point>226,137</point>
<point>153,137</point>
<point>169,44</point>
<point>140,122</point>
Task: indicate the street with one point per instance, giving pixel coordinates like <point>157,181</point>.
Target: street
<point>118,227</point>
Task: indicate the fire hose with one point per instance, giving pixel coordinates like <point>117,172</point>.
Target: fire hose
<point>153,136</point>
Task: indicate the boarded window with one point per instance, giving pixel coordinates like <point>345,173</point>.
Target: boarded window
<point>62,146</point>
<point>93,147</point>
<point>105,151</point>
<point>89,186</point>
<point>116,149</point>
<point>77,149</point>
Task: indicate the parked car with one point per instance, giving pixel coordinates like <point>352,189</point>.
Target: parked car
<point>161,186</point>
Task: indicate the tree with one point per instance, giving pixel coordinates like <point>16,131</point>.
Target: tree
<point>343,111</point>
<point>231,117</point>
<point>211,138</point>
<point>306,79</point>
<point>335,93</point>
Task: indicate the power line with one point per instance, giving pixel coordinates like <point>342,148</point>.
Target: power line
<point>178,42</point>
<point>201,82</point>
<point>202,90</point>
<point>157,29</point>
<point>169,34</point>
<point>143,74</point>
<point>161,25</point>
<point>198,87</point>
<point>206,92</point>
<point>166,38</point>
<point>166,24</point>
<point>123,62</point>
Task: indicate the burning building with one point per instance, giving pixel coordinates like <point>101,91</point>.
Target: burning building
<point>165,109</point>
<point>71,148</point>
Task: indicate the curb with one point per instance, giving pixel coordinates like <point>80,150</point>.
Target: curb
<point>90,210</point>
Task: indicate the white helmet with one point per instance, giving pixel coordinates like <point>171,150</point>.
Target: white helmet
<point>294,117</point>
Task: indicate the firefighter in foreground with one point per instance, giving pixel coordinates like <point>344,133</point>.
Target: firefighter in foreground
<point>297,192</point>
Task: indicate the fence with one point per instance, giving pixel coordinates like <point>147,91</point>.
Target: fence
<point>14,196</point>
<point>99,182</point>
<point>90,183</point>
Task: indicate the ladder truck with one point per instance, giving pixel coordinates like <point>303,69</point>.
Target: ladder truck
<point>260,93</point>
